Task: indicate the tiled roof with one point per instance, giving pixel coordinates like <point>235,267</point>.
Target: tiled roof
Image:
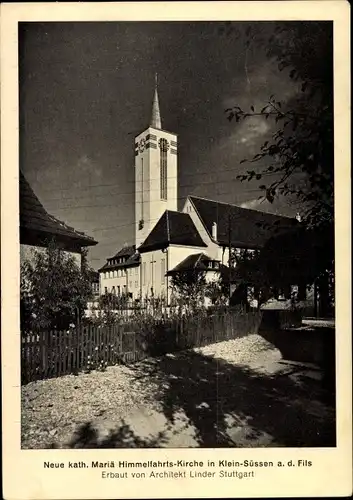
<point>249,228</point>
<point>173,228</point>
<point>35,219</point>
<point>133,259</point>
<point>125,251</point>
<point>197,261</point>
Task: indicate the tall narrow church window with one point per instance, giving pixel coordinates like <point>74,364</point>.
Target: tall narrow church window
<point>164,146</point>
<point>162,271</point>
<point>144,273</point>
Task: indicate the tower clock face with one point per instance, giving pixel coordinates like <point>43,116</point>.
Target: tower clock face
<point>163,144</point>
<point>142,145</point>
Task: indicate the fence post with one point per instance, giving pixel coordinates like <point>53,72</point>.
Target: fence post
<point>42,343</point>
<point>64,341</point>
<point>69,352</point>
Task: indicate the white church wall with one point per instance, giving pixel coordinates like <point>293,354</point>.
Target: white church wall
<point>177,254</point>
<point>153,270</point>
<point>212,247</point>
<point>133,281</point>
<point>162,262</point>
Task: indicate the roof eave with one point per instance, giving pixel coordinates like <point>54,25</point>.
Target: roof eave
<point>40,237</point>
<point>156,246</point>
<point>203,245</point>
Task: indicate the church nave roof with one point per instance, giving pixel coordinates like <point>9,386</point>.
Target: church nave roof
<point>173,228</point>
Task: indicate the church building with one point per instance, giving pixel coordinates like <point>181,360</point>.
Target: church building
<point>168,240</point>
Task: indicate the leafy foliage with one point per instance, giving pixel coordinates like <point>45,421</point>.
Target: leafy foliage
<point>188,288</point>
<point>217,291</point>
<point>301,145</point>
<point>298,155</point>
<point>111,301</point>
<point>54,290</point>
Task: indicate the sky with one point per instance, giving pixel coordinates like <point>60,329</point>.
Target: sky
<point>86,90</point>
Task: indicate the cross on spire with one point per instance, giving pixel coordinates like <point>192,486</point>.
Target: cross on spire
<point>156,121</point>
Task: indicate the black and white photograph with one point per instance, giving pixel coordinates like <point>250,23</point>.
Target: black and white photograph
<point>177,250</point>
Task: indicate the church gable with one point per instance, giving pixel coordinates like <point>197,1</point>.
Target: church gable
<point>173,228</point>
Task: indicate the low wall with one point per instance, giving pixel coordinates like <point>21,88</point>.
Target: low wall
<point>306,345</point>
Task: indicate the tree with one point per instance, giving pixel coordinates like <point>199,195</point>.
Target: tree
<point>300,150</point>
<point>189,287</point>
<point>217,291</point>
<point>112,301</point>
<point>54,290</point>
<point>251,277</point>
<point>299,154</point>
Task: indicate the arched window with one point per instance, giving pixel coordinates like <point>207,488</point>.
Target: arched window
<point>164,146</point>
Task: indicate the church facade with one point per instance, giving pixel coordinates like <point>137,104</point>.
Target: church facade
<point>168,240</point>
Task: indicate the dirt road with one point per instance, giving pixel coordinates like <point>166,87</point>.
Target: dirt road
<point>238,393</point>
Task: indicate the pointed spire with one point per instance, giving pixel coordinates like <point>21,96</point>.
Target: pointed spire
<point>156,115</point>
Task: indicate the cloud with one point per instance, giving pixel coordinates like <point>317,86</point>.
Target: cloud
<point>246,138</point>
<point>255,203</point>
<point>251,129</point>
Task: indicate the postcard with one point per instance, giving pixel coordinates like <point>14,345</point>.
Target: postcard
<point>176,295</point>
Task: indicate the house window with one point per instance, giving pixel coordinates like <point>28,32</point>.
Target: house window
<point>163,144</point>
<point>105,290</point>
<point>118,289</point>
<point>136,269</point>
<point>162,271</point>
<point>113,290</point>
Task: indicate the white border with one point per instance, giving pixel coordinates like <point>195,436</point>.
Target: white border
<point>23,472</point>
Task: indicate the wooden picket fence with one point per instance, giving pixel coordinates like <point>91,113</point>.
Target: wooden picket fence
<point>48,354</point>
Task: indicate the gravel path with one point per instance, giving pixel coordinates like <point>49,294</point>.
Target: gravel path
<point>135,400</point>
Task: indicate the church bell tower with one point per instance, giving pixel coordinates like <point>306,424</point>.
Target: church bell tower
<point>156,173</point>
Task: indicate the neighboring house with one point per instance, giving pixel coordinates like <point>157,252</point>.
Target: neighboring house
<point>121,273</point>
<point>38,228</point>
<point>167,239</point>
